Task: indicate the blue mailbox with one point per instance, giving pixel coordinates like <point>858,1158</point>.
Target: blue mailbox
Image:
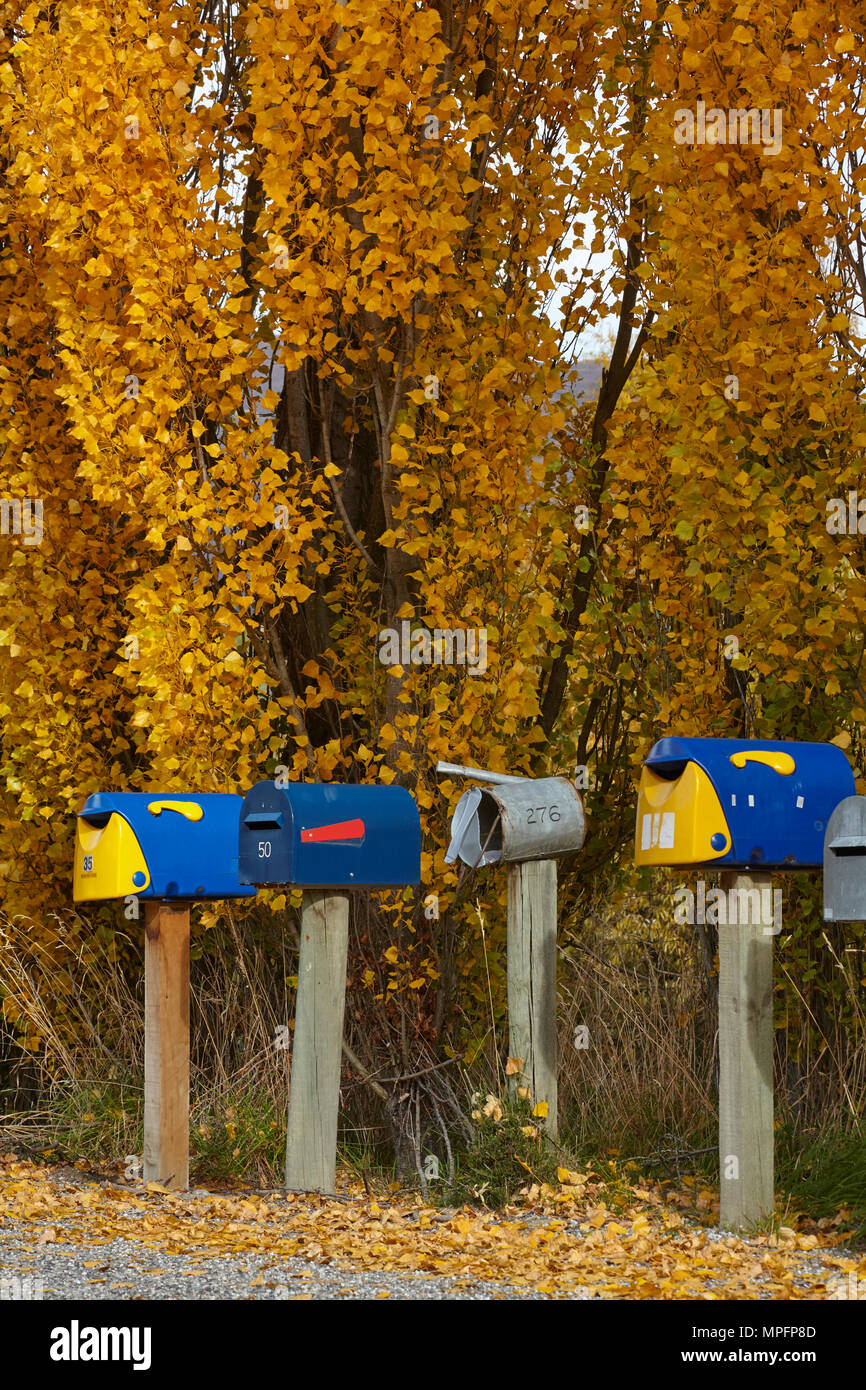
<point>329,835</point>
<point>738,803</point>
<point>172,845</point>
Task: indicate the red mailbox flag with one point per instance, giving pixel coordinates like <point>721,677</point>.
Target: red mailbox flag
<point>342,830</point>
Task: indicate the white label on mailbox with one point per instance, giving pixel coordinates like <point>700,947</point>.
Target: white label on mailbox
<point>657,831</point>
<point>87,864</point>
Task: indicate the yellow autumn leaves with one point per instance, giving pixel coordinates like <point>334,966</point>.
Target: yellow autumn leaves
<point>580,1239</point>
<point>283,362</point>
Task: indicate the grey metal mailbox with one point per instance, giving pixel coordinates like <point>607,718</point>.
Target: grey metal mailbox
<point>845,862</point>
<point>516,821</point>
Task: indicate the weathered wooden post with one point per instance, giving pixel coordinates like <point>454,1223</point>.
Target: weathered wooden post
<point>166,1045</point>
<point>745,807</point>
<point>329,840</point>
<point>311,1139</point>
<point>531,966</point>
<point>526,822</point>
<point>746,1051</point>
<point>169,849</point>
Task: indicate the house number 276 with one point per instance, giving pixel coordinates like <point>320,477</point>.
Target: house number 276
<point>552,813</point>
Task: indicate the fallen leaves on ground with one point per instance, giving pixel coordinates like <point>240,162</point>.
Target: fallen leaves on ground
<point>565,1239</point>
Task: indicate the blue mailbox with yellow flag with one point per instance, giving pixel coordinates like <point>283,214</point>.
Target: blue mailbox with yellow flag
<point>168,845</point>
<point>738,803</point>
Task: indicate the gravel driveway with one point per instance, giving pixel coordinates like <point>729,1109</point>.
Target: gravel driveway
<point>68,1235</point>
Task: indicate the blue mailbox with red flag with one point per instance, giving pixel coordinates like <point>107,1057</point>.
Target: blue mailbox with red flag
<point>329,835</point>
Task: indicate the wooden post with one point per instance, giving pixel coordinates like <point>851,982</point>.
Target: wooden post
<point>746,1052</point>
<point>166,1045</point>
<point>532,979</point>
<point>314,1099</point>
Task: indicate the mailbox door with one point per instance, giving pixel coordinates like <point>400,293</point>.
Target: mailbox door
<point>679,818</point>
<point>329,835</point>
<point>845,862</point>
<point>476,830</point>
<point>266,836</point>
<point>109,861</point>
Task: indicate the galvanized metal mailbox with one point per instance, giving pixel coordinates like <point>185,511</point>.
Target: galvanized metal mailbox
<point>845,862</point>
<point>738,803</point>
<point>329,835</point>
<point>517,821</point>
<point>167,845</point>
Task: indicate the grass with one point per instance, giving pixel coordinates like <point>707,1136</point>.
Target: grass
<point>238,1135</point>
<point>508,1153</point>
<point>637,1085</point>
<point>824,1175</point>
<point>97,1121</point>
